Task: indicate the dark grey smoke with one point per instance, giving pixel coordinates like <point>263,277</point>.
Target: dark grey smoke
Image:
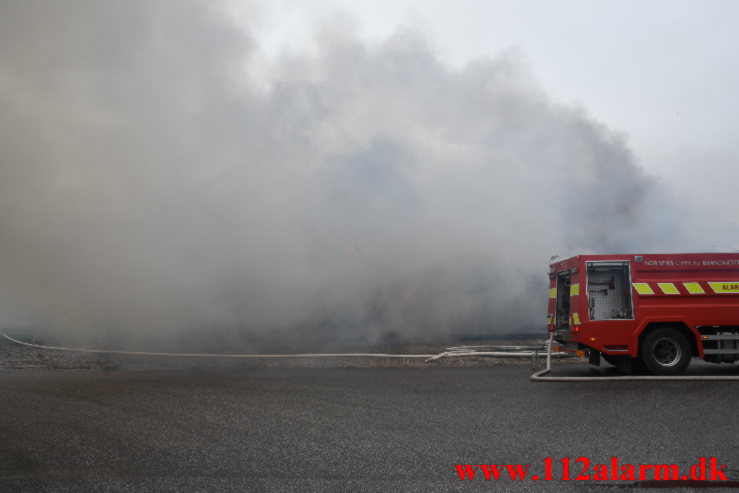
<point>153,189</point>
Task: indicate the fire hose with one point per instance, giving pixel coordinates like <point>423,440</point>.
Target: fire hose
<point>458,351</point>
<point>214,355</point>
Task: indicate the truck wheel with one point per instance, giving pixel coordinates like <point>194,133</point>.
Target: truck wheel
<point>665,351</point>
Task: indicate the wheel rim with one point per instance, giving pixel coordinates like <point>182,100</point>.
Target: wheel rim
<point>666,352</point>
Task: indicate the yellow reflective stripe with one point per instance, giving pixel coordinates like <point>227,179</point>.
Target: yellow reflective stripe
<point>642,288</point>
<point>549,319</point>
<point>694,288</point>
<point>552,293</point>
<point>668,288</point>
<point>576,318</point>
<point>725,286</point>
<point>574,290</point>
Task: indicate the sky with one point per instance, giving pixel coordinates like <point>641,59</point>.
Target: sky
<point>252,176</point>
<point>663,73</point>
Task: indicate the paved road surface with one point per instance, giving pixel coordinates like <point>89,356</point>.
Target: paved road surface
<point>341,429</point>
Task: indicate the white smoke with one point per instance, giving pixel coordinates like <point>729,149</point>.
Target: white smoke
<point>149,190</point>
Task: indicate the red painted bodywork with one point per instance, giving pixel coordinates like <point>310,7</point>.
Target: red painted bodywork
<point>693,310</point>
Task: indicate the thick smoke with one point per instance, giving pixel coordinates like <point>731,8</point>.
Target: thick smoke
<point>152,187</point>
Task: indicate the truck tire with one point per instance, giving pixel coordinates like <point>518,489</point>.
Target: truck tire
<point>665,351</point>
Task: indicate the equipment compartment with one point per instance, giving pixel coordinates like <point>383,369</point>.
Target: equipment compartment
<point>609,291</point>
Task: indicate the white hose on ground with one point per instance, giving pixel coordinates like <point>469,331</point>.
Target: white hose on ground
<point>459,351</point>
<point>536,377</point>
<point>497,354</point>
<point>539,376</point>
<point>216,355</point>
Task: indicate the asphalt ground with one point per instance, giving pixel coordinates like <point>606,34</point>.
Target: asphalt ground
<point>209,427</point>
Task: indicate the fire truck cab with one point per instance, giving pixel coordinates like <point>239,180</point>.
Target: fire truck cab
<point>653,311</point>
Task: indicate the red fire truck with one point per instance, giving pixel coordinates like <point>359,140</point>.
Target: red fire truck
<point>653,311</point>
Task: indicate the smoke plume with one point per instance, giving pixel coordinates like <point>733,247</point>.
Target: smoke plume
<point>160,178</point>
